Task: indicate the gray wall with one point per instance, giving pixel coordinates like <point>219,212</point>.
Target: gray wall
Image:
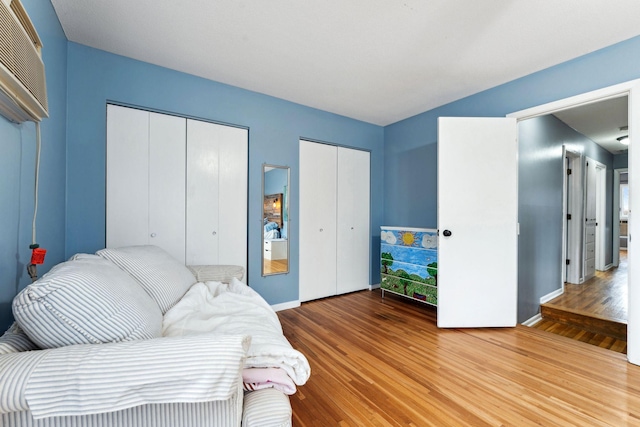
<point>621,161</point>
<point>540,177</point>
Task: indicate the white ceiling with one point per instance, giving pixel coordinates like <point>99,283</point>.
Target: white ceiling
<point>379,61</point>
<point>601,122</point>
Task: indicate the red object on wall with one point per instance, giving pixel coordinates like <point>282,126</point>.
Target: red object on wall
<point>37,255</point>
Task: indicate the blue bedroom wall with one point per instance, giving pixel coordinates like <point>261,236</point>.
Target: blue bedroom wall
<point>275,127</point>
<point>410,160</point>
<point>17,171</point>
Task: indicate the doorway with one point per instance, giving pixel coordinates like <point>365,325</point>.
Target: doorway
<point>620,90</point>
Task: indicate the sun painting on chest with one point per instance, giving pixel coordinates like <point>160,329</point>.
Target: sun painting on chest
<point>408,238</point>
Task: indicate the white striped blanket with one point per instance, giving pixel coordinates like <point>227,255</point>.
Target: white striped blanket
<point>98,378</point>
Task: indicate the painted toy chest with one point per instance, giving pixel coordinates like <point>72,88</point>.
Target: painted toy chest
<point>409,262</point>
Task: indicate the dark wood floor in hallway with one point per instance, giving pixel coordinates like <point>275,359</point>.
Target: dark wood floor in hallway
<point>594,312</point>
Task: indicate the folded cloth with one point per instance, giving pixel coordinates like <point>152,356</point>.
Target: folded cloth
<point>259,378</point>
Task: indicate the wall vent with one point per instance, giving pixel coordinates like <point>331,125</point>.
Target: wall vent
<point>23,91</point>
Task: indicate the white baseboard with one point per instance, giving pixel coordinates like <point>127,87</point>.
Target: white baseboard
<point>551,295</point>
<point>286,305</point>
<point>608,267</point>
<point>535,319</point>
<point>374,286</point>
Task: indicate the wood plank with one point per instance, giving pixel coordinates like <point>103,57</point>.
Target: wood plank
<point>604,341</point>
<point>586,321</point>
<point>273,266</point>
<point>385,363</point>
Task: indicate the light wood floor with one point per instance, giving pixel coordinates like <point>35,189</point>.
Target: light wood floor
<point>275,266</point>
<point>384,362</point>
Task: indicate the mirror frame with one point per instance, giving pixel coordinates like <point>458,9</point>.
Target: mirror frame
<point>285,216</point>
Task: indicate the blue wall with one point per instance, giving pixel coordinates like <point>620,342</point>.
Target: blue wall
<point>275,127</point>
<point>81,80</point>
<point>17,170</point>
<point>410,160</point>
<point>410,157</point>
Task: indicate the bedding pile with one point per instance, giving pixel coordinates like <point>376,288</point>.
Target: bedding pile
<point>236,309</point>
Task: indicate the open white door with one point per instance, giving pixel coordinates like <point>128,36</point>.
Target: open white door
<point>477,221</point>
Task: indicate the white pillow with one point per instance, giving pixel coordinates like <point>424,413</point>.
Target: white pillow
<point>86,301</point>
<point>161,275</point>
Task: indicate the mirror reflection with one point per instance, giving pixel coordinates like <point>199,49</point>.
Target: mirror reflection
<point>275,219</point>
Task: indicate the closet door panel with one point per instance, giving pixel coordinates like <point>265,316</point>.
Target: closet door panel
<point>127,190</point>
<point>202,230</point>
<point>318,170</point>
<point>353,253</point>
<point>167,160</point>
<point>233,183</point>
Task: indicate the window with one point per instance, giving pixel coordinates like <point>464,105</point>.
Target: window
<point>624,201</point>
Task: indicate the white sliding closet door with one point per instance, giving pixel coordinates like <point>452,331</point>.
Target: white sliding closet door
<point>216,194</point>
<point>167,183</point>
<point>233,183</point>
<point>334,220</point>
<point>127,216</point>
<point>202,193</point>
<point>145,180</point>
<point>179,184</point>
<point>318,182</point>
<point>353,253</point>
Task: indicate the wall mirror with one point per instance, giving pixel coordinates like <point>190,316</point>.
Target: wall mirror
<point>275,219</point>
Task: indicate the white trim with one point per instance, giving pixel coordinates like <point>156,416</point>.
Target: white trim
<point>616,214</point>
<point>571,202</point>
<point>532,321</point>
<point>608,267</point>
<point>551,295</point>
<point>374,286</point>
<point>565,179</point>
<point>601,215</point>
<point>286,305</point>
<point>434,230</point>
<point>599,95</point>
<point>574,234</point>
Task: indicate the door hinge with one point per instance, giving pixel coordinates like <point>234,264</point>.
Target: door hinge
<point>568,171</point>
<point>568,216</point>
<point>567,262</point>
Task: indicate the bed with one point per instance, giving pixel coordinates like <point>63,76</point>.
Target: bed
<point>271,230</point>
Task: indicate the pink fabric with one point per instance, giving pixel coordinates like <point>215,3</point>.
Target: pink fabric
<point>259,378</point>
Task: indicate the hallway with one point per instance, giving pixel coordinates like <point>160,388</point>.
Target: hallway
<point>594,312</point>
